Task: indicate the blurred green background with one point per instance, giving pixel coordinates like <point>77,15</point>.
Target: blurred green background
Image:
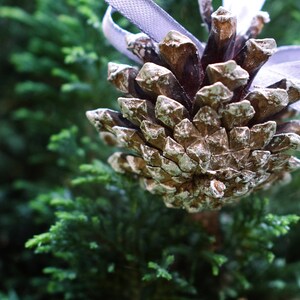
<point>99,236</point>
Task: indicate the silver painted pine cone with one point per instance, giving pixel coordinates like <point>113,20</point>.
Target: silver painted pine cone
<point>197,135</point>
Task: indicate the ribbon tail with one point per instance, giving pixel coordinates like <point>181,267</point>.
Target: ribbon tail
<point>284,54</point>
<point>296,106</point>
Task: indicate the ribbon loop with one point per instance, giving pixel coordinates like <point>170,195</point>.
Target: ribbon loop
<point>148,17</point>
<point>116,35</point>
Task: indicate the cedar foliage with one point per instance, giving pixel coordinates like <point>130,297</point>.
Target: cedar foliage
<point>97,234</point>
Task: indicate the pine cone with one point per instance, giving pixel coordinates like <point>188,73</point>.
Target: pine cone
<point>195,133</point>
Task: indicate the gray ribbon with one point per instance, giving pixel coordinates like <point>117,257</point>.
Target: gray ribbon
<point>116,35</point>
<point>148,17</point>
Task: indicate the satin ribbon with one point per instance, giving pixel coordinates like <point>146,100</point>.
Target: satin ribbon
<point>148,17</point>
<point>116,35</point>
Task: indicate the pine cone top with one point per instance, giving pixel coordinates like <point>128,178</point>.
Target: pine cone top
<point>196,133</point>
